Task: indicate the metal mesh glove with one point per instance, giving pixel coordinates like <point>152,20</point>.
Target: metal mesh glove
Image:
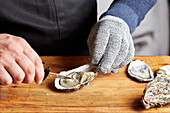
<point>110,44</point>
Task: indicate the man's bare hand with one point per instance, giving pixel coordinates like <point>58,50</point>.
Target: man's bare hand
<point>19,63</point>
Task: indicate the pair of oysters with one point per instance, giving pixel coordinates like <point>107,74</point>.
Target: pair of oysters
<point>157,91</point>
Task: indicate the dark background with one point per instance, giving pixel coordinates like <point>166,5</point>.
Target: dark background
<point>169,26</point>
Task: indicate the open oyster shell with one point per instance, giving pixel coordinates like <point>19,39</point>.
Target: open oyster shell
<point>76,78</point>
<point>139,70</point>
<point>157,92</point>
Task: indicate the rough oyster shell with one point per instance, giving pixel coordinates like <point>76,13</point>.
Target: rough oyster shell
<point>139,70</point>
<point>157,92</point>
<point>76,78</point>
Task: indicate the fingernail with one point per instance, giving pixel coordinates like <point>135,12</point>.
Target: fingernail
<point>39,82</point>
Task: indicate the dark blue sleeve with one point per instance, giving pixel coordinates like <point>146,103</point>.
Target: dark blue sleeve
<point>131,11</point>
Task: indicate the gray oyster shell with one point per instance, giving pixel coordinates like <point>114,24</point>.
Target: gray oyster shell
<point>157,92</point>
<point>76,78</point>
<point>139,70</point>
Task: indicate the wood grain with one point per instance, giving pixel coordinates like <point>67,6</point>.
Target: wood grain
<point>106,93</point>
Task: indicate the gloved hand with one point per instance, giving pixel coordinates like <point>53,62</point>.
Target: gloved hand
<point>110,44</point>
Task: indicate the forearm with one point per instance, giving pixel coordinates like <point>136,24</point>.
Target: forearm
<point>131,11</point>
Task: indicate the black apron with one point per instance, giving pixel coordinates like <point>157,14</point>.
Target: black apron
<point>51,27</point>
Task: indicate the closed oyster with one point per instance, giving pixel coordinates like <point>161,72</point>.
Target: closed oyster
<point>157,92</point>
<point>139,70</point>
<point>76,78</point>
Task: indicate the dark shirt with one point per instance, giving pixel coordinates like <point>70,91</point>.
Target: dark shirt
<point>61,27</point>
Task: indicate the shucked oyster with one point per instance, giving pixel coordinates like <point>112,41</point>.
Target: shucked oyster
<point>157,92</point>
<point>139,70</point>
<point>76,78</point>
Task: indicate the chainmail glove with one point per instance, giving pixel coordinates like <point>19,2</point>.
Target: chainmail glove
<point>110,44</point>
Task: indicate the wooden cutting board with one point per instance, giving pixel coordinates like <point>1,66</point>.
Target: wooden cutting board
<point>114,92</point>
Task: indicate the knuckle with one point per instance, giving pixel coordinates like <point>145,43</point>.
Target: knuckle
<point>30,69</point>
<point>23,43</point>
<point>19,77</point>
<point>11,47</point>
<point>8,46</point>
<point>21,40</point>
<point>4,35</point>
<point>7,35</point>
<point>30,72</point>
<point>37,61</point>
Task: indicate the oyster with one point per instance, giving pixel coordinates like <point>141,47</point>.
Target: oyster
<point>76,78</point>
<point>139,70</point>
<point>157,92</point>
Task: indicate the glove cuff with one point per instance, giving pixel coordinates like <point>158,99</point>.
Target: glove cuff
<point>120,22</point>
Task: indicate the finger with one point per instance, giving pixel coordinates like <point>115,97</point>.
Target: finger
<point>110,54</point>
<point>129,56</point>
<point>39,69</point>
<point>27,66</point>
<point>33,56</point>
<point>98,40</point>
<point>5,78</point>
<point>15,71</point>
<point>122,53</point>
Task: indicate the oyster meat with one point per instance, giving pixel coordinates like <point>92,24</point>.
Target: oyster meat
<point>139,70</point>
<point>76,78</point>
<point>157,92</point>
